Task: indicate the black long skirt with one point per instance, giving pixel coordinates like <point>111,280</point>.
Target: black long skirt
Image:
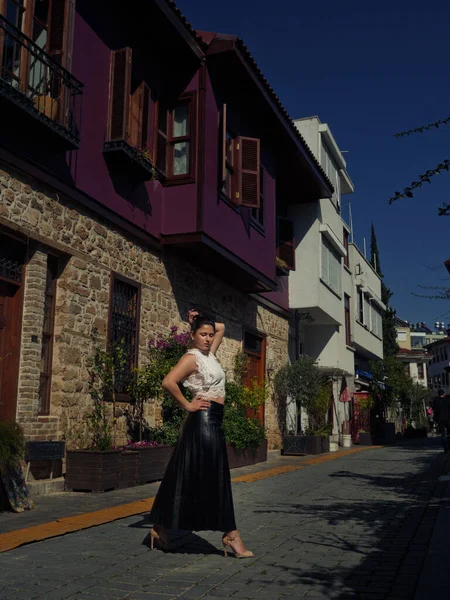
<point>195,493</point>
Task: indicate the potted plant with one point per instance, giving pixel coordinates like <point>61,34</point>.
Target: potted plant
<point>244,433</point>
<point>97,468</point>
<point>365,438</point>
<point>365,406</point>
<point>155,444</point>
<point>13,490</point>
<point>303,382</point>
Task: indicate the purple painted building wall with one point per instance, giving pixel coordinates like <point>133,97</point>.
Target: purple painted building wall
<point>161,62</point>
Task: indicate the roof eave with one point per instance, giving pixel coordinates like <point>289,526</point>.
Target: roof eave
<point>288,126</point>
<point>182,25</point>
<point>226,43</point>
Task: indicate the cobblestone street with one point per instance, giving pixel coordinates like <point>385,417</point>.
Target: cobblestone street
<point>360,526</point>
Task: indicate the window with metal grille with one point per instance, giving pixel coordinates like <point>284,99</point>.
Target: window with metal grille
<point>253,343</point>
<point>124,327</point>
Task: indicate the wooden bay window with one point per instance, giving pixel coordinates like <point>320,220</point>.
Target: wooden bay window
<point>286,243</point>
<point>240,169</point>
<point>175,139</point>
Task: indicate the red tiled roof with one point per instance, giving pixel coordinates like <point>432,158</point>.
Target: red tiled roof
<point>414,352</point>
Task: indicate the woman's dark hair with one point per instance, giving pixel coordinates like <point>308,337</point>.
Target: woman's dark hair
<point>199,321</point>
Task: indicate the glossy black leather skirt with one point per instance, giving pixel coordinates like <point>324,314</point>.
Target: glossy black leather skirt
<point>195,493</point>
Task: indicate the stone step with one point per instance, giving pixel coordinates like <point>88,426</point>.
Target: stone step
<point>45,487</point>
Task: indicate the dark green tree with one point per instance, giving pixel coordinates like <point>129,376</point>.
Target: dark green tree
<point>390,346</point>
<point>374,252</point>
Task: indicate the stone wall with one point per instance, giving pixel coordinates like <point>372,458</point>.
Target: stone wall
<point>90,251</point>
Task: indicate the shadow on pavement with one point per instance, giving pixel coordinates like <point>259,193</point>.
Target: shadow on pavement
<point>183,542</point>
<point>383,540</point>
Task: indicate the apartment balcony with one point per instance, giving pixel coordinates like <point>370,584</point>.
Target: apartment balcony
<point>39,99</point>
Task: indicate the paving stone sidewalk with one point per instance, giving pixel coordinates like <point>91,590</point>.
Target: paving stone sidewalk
<point>357,527</point>
<point>69,504</point>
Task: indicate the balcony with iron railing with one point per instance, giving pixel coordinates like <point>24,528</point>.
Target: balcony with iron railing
<point>32,82</point>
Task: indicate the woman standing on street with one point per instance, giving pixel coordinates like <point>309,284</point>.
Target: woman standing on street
<point>195,493</point>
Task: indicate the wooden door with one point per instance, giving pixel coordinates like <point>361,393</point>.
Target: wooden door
<point>254,348</point>
<point>10,325</point>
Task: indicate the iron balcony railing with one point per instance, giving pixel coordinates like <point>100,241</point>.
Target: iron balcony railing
<point>32,79</point>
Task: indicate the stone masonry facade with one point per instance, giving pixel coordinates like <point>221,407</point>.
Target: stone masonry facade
<point>90,251</point>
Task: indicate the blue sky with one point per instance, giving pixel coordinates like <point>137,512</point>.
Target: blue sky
<point>368,70</point>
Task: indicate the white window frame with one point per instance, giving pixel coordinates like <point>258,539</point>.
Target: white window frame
<point>331,266</point>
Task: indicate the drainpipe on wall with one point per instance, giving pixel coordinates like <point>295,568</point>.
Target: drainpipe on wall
<point>201,127</point>
<point>297,334</point>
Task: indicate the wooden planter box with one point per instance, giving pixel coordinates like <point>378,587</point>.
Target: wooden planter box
<point>4,502</point>
<point>129,469</point>
<point>305,444</point>
<point>238,457</point>
<point>93,470</point>
<point>365,438</point>
<point>153,462</point>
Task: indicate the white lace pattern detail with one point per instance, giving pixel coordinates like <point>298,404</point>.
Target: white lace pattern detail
<point>209,379</point>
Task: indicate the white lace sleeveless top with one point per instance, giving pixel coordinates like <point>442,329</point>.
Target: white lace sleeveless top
<point>209,379</point>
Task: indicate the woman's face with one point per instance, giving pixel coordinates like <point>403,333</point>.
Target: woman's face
<point>203,337</point>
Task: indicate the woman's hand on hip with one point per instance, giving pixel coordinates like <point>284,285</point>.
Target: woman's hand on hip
<point>198,403</point>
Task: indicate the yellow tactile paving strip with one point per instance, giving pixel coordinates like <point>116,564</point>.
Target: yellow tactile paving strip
<point>20,537</point>
<point>14,539</point>
<point>317,460</point>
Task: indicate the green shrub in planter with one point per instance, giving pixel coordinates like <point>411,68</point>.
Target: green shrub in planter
<point>242,431</point>
<point>12,446</point>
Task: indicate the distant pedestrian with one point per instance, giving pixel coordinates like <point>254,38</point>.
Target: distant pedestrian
<point>195,493</point>
<point>441,411</point>
<point>430,416</point>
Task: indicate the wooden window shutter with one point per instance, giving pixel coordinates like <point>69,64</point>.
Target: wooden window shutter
<point>119,95</point>
<point>247,193</point>
<point>57,28</point>
<point>145,114</point>
<point>161,137</point>
<point>224,144</point>
<point>286,242</point>
<point>59,45</point>
<point>136,112</point>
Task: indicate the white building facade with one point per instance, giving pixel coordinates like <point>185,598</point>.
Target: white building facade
<point>439,366</point>
<point>330,280</point>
